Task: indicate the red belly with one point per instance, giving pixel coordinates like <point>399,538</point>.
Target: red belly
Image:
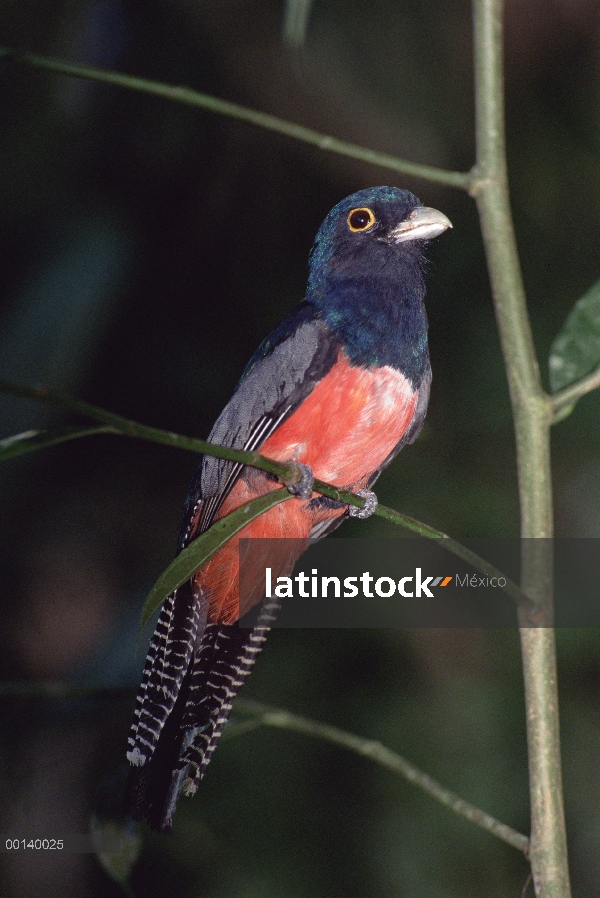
<point>344,430</point>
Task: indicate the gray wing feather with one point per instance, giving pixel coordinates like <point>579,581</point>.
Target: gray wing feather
<point>272,390</point>
<point>263,398</point>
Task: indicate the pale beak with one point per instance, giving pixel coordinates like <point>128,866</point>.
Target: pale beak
<point>423,223</point>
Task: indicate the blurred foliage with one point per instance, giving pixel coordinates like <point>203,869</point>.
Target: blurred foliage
<point>575,352</point>
<point>147,249</point>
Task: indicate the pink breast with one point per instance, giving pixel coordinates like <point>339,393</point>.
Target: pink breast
<point>344,430</point>
<point>348,425</point>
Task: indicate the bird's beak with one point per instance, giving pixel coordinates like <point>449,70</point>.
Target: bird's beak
<point>422,224</point>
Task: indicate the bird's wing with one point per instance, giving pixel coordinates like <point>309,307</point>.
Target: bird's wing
<point>279,377</point>
<point>277,380</point>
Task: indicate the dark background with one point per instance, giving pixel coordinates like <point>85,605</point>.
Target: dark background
<point>146,250</point>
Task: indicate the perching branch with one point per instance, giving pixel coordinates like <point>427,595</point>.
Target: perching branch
<point>287,473</point>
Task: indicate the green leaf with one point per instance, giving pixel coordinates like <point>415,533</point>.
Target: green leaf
<point>576,350</point>
<point>202,549</point>
<point>31,440</point>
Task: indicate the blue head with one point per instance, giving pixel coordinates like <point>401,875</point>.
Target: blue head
<point>366,276</point>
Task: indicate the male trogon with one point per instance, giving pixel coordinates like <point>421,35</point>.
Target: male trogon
<point>339,387</point>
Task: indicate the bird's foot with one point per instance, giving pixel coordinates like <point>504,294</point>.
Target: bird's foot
<point>369,508</point>
<point>303,487</point>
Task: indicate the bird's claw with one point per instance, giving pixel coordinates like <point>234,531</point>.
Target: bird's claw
<point>302,488</point>
<point>369,508</point>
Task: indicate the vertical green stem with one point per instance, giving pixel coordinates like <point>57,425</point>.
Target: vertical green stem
<point>532,417</point>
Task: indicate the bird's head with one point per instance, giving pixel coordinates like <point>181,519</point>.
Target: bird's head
<point>366,276</point>
<point>375,232</point>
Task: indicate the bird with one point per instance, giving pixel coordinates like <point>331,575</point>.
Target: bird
<point>339,387</point>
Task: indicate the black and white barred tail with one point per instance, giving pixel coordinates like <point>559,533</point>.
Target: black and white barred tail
<point>192,674</point>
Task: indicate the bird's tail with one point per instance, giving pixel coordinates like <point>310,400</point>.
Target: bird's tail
<point>192,729</point>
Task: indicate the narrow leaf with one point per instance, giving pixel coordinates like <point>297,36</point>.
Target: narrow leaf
<point>202,549</point>
<point>576,350</point>
<point>31,440</point>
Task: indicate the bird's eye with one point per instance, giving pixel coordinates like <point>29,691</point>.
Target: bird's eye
<point>360,219</point>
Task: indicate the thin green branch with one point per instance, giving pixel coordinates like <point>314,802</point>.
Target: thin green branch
<point>31,440</point>
<point>573,392</point>
<point>265,715</point>
<point>457,549</point>
<point>532,412</point>
<point>527,396</point>
<point>287,473</point>
<point>196,99</point>
<point>369,748</point>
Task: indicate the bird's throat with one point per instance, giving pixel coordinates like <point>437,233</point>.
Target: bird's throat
<point>379,321</point>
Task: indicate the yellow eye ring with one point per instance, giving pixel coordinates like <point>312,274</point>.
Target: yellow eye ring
<point>360,219</point>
